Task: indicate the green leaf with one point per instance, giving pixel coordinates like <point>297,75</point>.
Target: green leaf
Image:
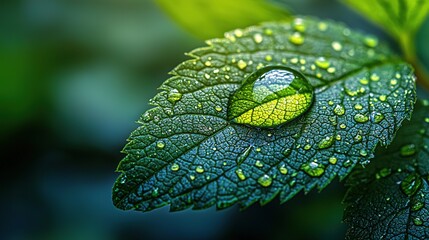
<point>187,153</point>
<point>395,16</point>
<point>389,198</point>
<point>208,18</point>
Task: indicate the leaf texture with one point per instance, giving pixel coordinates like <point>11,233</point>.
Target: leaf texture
<point>389,198</point>
<point>186,152</point>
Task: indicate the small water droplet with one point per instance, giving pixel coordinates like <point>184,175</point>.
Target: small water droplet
<point>296,38</point>
<point>283,170</point>
<point>241,64</point>
<point>258,38</point>
<point>417,205</point>
<point>174,95</point>
<point>393,82</point>
<point>343,126</point>
<point>299,25</point>
<point>218,108</point>
<point>411,184</point>
<point>358,106</point>
<point>160,144</point>
<point>265,180</point>
<point>240,174</point>
<point>374,77</point>
<point>337,46</point>
<point>307,147</point>
<point>322,63</point>
<point>339,110</point>
<point>333,160</point>
<point>408,150</point>
<point>313,169</point>
<point>364,81</point>
<point>322,26</point>
<point>417,221</point>
<point>371,41</point>
<point>268,58</point>
<point>287,152</point>
<point>270,97</point>
<point>331,70</point>
<point>347,163</point>
<point>360,118</point>
<point>244,155</point>
<point>363,153</point>
<point>259,164</point>
<point>155,192</point>
<point>199,169</point>
<point>192,177</point>
<point>175,167</point>
<point>238,33</point>
<point>358,138</point>
<point>326,142</point>
<point>382,98</point>
<point>208,63</point>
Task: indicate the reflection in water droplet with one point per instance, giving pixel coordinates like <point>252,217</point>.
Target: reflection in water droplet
<point>270,97</point>
<point>408,150</point>
<point>265,180</point>
<point>313,169</point>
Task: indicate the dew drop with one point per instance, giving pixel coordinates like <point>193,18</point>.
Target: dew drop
<point>322,63</point>
<point>376,117</point>
<point>382,98</point>
<point>270,97</point>
<point>240,174</point>
<point>160,144</point>
<point>360,118</point>
<point>339,110</point>
<point>258,38</point>
<point>408,150</point>
<point>411,184</point>
<point>175,167</point>
<point>333,160</point>
<point>313,169</point>
<point>192,177</point>
<point>385,172</point>
<point>218,108</point>
<point>174,95</point>
<point>417,221</point>
<point>244,155</point>
<point>242,64</point>
<point>322,26</point>
<point>326,142</point>
<point>259,164</point>
<point>364,81</point>
<point>358,106</point>
<point>371,41</point>
<point>363,153</point>
<point>155,192</point>
<point>393,82</point>
<point>374,77</point>
<point>417,205</point>
<point>283,170</point>
<point>199,169</point>
<point>296,38</point>
<point>265,180</point>
<point>337,46</point>
<point>208,63</point>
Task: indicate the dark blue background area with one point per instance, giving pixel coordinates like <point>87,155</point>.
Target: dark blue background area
<point>75,76</point>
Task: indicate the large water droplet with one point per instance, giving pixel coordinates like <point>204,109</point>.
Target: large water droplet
<point>174,96</point>
<point>270,97</point>
<point>408,150</point>
<point>360,118</point>
<point>265,180</point>
<point>313,169</point>
<point>411,184</point>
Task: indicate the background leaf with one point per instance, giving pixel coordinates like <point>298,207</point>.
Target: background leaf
<point>397,17</point>
<point>208,19</point>
<point>388,199</point>
<point>187,153</point>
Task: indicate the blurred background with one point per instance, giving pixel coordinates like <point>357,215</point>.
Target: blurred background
<point>75,75</point>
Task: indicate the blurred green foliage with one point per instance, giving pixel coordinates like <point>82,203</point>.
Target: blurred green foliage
<point>209,19</point>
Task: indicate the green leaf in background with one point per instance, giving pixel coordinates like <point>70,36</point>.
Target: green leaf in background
<point>396,16</point>
<point>400,18</point>
<point>389,198</point>
<point>187,153</point>
<point>208,19</point>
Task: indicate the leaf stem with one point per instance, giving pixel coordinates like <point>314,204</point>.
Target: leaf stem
<point>406,41</point>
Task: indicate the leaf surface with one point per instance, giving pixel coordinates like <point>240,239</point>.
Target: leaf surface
<point>389,198</point>
<point>187,153</point>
